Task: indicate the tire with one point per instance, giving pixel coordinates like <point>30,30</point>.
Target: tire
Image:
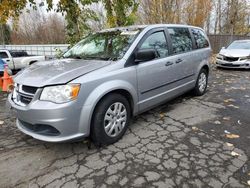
<point>106,115</point>
<point>201,83</point>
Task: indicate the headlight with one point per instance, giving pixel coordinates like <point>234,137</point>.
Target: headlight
<point>245,58</point>
<point>60,93</point>
<point>219,56</point>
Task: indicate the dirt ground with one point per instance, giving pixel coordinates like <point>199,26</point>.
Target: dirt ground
<point>184,143</point>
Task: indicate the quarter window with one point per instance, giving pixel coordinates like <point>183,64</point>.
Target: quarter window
<point>200,39</point>
<point>158,42</point>
<point>181,40</point>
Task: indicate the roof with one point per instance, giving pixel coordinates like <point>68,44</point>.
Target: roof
<point>135,27</point>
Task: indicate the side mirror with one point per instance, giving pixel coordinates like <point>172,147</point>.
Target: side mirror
<point>145,55</point>
<point>223,48</point>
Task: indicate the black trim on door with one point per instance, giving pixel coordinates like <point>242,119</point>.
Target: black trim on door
<point>163,85</point>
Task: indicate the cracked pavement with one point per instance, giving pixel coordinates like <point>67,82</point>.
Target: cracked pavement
<point>174,145</point>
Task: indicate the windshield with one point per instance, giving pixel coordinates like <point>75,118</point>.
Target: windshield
<point>240,45</point>
<point>103,46</point>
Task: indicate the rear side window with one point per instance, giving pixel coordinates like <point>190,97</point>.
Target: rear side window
<point>158,42</point>
<point>181,40</point>
<point>3,55</point>
<point>200,39</point>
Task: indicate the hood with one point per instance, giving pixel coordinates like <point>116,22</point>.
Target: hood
<point>235,52</point>
<point>57,71</point>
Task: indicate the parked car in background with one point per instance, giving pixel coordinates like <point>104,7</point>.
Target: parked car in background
<point>2,66</point>
<point>17,60</point>
<point>236,55</point>
<point>108,77</point>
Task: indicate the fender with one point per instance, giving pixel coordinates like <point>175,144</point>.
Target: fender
<point>205,62</point>
<point>96,95</point>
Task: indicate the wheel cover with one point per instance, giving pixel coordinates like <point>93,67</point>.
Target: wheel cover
<point>202,84</point>
<point>115,119</point>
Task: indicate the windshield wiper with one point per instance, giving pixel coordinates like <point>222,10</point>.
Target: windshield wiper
<point>96,57</point>
<point>74,57</point>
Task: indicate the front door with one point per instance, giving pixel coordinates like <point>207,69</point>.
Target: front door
<point>155,77</point>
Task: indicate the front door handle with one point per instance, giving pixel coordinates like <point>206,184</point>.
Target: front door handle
<point>169,63</point>
<point>178,61</point>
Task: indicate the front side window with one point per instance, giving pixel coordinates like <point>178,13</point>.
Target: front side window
<point>3,55</point>
<point>110,45</point>
<point>181,40</point>
<point>200,39</point>
<point>156,41</point>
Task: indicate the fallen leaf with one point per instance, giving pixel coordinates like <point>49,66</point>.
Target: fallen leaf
<point>231,105</point>
<point>195,129</point>
<point>226,118</point>
<point>217,122</point>
<point>242,88</point>
<point>233,153</point>
<point>248,182</point>
<point>162,115</point>
<point>229,100</point>
<point>1,122</point>
<point>249,174</point>
<point>232,136</point>
<point>229,144</point>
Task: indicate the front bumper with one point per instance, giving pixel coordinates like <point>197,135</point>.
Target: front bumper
<point>50,122</point>
<point>233,65</point>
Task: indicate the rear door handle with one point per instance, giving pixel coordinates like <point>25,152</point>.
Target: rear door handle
<point>169,63</point>
<point>178,61</point>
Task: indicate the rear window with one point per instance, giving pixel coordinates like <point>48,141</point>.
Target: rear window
<point>18,54</point>
<point>200,39</point>
<point>3,55</point>
<point>181,40</point>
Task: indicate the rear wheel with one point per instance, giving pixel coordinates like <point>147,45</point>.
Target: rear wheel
<point>110,120</point>
<point>201,83</point>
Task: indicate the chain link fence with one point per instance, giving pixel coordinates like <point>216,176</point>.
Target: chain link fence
<point>46,50</point>
<point>219,41</point>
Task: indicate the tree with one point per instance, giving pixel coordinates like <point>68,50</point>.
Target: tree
<point>36,27</point>
<point>197,12</point>
<point>77,13</point>
<point>4,34</point>
<point>120,12</point>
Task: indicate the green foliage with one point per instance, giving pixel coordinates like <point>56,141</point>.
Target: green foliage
<point>121,12</point>
<point>77,13</point>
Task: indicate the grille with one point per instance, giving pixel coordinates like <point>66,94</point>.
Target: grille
<point>23,95</point>
<point>231,59</point>
<point>230,65</point>
<point>28,89</point>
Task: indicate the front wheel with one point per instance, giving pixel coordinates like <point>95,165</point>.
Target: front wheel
<point>201,83</point>
<point>110,119</point>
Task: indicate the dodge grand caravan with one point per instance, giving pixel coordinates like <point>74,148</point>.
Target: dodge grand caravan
<point>108,77</point>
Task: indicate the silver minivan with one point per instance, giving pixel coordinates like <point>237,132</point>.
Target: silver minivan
<point>108,77</point>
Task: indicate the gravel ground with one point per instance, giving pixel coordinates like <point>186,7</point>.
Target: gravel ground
<point>180,144</point>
